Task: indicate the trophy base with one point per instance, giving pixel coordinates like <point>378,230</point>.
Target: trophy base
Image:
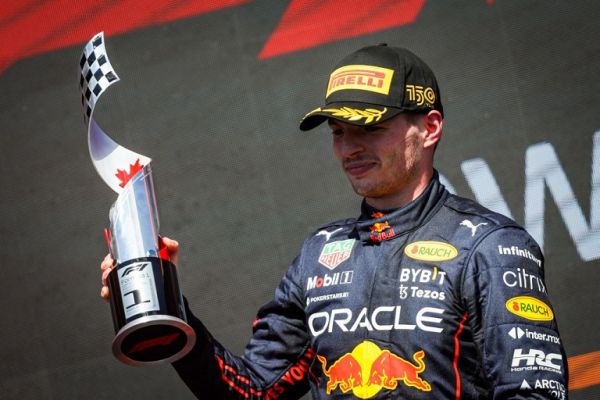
<point>153,340</point>
<point>148,313</point>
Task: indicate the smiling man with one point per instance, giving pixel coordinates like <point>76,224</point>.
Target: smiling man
<point>389,163</point>
<point>414,299</point>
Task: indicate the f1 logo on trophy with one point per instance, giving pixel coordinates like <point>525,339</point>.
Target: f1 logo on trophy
<point>146,303</point>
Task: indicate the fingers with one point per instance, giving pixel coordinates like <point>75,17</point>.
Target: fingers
<point>108,262</point>
<point>106,266</point>
<point>172,247</point>
<point>105,274</point>
<point>104,293</point>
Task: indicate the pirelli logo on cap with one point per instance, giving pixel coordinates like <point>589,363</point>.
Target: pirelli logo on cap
<point>360,77</point>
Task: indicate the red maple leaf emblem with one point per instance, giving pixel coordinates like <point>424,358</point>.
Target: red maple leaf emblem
<point>125,176</point>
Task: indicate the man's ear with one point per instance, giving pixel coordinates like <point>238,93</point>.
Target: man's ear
<point>433,123</point>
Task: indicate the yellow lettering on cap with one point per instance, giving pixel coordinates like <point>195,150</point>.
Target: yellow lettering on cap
<point>360,77</point>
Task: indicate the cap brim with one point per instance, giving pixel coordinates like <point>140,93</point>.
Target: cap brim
<point>360,114</point>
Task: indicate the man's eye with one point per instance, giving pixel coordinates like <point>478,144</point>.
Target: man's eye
<point>373,129</point>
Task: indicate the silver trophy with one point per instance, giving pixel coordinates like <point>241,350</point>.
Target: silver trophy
<point>146,303</point>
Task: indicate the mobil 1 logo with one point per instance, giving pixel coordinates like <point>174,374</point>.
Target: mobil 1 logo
<point>138,289</point>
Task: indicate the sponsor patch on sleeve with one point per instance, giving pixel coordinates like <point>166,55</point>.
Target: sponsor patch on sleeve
<point>529,308</point>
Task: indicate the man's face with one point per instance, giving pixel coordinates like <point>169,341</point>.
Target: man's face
<point>383,162</point>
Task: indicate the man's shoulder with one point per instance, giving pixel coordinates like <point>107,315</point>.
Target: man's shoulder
<point>341,229</point>
<point>468,208</point>
<point>478,227</point>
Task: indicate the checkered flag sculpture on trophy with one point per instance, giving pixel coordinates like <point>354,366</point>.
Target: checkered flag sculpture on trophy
<point>146,303</point>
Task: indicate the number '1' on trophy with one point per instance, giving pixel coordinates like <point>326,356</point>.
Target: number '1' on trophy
<point>146,302</point>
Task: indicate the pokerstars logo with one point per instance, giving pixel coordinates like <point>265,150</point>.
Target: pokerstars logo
<point>338,278</point>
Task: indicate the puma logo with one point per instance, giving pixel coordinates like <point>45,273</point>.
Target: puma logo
<point>472,227</point>
<point>327,234</point>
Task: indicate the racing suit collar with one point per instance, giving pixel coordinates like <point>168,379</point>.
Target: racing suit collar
<point>378,225</point>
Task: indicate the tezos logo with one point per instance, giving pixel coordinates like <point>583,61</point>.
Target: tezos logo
<point>430,251</point>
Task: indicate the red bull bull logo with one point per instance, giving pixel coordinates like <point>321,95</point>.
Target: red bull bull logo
<point>346,373</point>
<point>368,369</point>
<point>380,227</point>
<point>381,231</point>
<point>388,369</point>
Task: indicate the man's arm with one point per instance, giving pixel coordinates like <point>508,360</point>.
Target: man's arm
<point>512,318</point>
<point>275,363</point>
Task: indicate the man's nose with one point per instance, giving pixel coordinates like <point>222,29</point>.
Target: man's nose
<point>350,144</point>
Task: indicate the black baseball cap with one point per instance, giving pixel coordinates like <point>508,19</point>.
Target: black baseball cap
<point>374,84</point>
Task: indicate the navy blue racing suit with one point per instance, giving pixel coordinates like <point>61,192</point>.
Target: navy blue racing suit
<point>440,299</point>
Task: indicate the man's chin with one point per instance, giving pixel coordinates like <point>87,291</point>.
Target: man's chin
<point>365,190</point>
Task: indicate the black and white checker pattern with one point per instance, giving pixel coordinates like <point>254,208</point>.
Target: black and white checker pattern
<point>97,74</point>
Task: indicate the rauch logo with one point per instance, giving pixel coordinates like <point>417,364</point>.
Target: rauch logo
<point>431,251</point>
<point>530,308</point>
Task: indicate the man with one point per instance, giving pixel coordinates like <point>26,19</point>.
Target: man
<point>425,295</point>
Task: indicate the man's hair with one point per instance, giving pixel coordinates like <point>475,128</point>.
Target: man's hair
<point>413,116</point>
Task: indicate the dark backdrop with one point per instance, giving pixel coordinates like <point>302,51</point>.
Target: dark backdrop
<point>240,187</point>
